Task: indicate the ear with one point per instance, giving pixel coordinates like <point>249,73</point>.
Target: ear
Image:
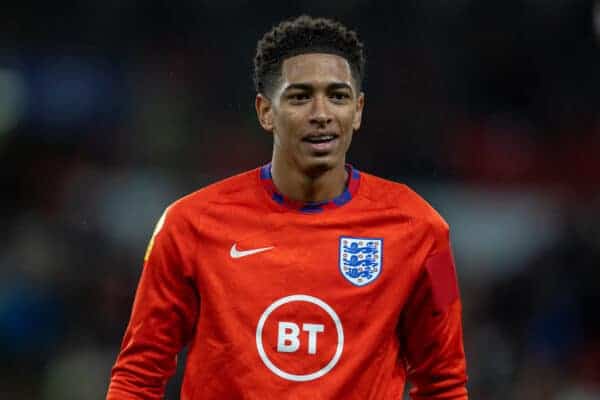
<point>360,104</point>
<point>264,112</point>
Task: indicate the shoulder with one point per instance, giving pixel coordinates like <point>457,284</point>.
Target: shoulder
<point>240,187</point>
<point>399,198</point>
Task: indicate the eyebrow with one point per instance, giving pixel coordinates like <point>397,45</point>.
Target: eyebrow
<point>309,87</point>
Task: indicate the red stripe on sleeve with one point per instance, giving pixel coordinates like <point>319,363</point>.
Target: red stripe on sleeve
<point>444,284</point>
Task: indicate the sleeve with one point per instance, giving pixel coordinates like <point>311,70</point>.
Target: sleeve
<point>162,320</point>
<point>431,330</point>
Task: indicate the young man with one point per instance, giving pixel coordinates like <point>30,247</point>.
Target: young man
<point>305,278</point>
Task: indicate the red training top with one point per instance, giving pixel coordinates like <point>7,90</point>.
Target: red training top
<point>280,300</point>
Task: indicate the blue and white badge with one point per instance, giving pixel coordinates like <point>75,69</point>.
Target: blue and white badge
<point>361,259</point>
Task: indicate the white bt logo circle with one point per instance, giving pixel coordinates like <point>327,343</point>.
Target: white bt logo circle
<point>290,335</point>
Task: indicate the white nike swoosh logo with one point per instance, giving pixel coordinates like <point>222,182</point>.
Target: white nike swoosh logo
<point>235,253</point>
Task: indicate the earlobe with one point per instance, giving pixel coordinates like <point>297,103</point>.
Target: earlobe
<point>264,112</point>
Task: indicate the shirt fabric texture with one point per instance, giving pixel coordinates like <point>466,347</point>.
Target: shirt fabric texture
<point>345,299</point>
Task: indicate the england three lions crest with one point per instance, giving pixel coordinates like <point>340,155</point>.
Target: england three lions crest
<point>361,259</point>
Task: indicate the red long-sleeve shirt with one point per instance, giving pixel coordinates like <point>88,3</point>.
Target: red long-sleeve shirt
<point>281,300</point>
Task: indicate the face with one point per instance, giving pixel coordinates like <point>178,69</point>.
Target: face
<point>312,112</point>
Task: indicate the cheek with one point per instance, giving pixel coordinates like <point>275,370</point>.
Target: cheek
<point>347,121</point>
<point>287,125</point>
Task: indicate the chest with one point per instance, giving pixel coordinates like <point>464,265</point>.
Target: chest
<point>299,296</point>
<point>351,260</point>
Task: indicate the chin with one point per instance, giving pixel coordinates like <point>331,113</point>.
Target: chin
<point>318,165</point>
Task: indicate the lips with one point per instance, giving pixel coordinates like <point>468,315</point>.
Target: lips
<point>321,142</point>
<point>319,137</point>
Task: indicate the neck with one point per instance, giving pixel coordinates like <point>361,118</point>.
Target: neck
<point>311,186</point>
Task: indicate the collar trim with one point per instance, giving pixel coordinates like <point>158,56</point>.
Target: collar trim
<point>266,180</point>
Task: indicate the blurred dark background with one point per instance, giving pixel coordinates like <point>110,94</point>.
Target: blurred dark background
<point>111,110</point>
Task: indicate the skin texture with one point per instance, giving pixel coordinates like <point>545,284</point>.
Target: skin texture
<point>316,95</point>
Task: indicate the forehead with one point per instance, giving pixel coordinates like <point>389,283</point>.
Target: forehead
<point>315,68</point>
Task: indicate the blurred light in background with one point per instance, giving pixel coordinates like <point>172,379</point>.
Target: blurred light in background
<point>596,19</point>
<point>495,232</point>
<point>13,98</point>
<point>70,92</point>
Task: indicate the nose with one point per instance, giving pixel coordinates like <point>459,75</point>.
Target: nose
<point>320,113</point>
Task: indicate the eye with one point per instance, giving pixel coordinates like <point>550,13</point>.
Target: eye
<point>339,97</point>
<point>296,98</point>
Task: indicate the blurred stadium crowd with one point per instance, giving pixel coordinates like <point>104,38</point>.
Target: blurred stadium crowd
<point>111,110</point>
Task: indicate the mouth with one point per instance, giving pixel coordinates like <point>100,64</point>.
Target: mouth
<point>321,143</point>
<point>317,138</point>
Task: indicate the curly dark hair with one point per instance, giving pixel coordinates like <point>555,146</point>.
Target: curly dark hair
<point>303,35</point>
